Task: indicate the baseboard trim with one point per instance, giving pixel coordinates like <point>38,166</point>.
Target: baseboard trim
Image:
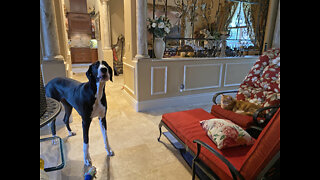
<point>131,100</point>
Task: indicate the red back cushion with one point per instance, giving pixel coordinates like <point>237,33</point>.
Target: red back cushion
<point>265,148</point>
<point>262,84</point>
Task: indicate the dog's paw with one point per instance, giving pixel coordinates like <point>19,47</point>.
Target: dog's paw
<point>71,133</point>
<point>110,153</point>
<point>87,161</point>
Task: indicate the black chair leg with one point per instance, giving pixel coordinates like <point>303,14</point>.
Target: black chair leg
<point>53,127</point>
<point>160,125</point>
<point>193,170</point>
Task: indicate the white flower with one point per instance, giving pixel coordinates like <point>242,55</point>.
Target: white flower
<point>154,25</point>
<point>161,25</point>
<point>167,30</point>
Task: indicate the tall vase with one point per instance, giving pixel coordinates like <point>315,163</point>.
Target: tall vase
<point>159,47</point>
<point>223,45</point>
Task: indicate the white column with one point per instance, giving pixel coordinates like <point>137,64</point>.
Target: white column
<point>270,24</point>
<point>53,62</point>
<point>142,46</point>
<point>49,31</point>
<point>105,27</point>
<point>105,23</point>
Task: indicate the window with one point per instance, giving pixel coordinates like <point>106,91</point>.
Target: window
<point>239,36</point>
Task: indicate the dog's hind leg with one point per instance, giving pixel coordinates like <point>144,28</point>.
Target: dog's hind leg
<point>68,111</point>
<point>53,130</point>
<point>103,126</point>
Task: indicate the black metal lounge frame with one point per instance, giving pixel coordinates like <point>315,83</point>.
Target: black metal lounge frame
<point>196,160</point>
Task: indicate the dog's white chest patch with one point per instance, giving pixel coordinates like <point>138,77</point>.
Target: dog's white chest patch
<point>98,109</point>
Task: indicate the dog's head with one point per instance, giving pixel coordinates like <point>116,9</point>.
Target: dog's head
<point>99,71</point>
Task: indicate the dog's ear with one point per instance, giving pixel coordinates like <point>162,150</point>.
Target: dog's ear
<point>89,74</point>
<point>110,72</point>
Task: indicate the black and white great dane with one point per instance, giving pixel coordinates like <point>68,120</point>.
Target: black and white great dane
<point>89,99</point>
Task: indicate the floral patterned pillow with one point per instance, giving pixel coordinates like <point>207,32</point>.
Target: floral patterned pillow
<point>225,133</point>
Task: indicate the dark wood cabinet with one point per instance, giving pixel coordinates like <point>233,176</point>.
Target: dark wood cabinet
<point>79,27</point>
<point>80,55</point>
<point>94,55</point>
<point>83,55</point>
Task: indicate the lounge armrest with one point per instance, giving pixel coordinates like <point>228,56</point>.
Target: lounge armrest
<point>219,93</point>
<point>268,116</point>
<point>232,169</point>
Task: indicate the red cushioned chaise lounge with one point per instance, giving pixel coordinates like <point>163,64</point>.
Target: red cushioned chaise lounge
<point>243,162</point>
<point>262,86</point>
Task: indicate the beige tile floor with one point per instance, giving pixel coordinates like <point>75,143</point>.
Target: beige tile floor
<point>132,136</point>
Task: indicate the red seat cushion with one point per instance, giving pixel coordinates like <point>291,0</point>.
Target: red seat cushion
<point>241,120</point>
<point>265,148</point>
<point>186,125</point>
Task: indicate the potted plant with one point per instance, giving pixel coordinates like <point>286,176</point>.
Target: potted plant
<point>160,27</point>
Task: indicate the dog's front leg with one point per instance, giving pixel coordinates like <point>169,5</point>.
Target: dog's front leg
<point>103,126</point>
<point>85,127</point>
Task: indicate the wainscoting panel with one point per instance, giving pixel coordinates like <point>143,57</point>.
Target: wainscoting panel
<point>159,76</point>
<point>129,78</point>
<point>236,72</point>
<point>202,76</point>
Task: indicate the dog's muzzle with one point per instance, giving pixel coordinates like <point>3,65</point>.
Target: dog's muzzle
<point>103,73</point>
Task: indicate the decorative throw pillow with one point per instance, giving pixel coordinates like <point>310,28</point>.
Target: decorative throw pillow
<point>225,133</point>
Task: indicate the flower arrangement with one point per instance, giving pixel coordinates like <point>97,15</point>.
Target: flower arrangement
<point>160,27</point>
